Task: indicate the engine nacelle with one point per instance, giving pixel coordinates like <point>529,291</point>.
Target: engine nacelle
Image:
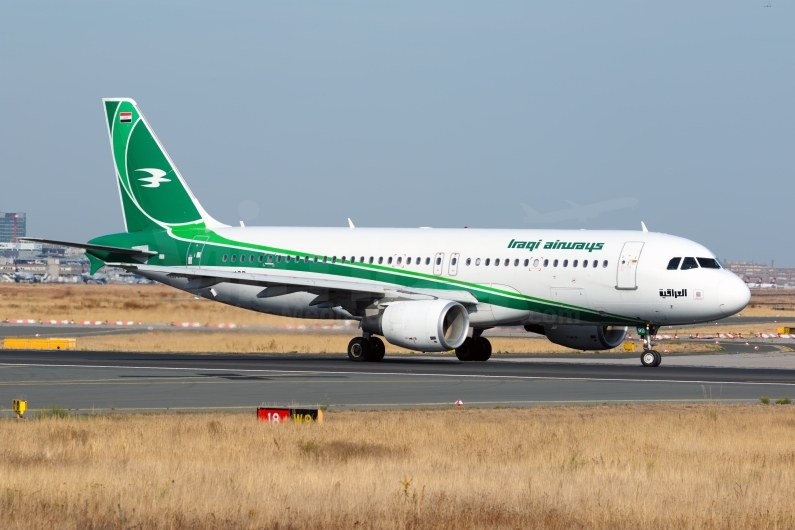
<point>422,325</point>
<point>582,337</point>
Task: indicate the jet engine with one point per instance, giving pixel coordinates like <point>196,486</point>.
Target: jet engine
<point>422,325</point>
<point>582,337</point>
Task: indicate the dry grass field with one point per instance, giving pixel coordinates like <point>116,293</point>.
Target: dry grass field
<point>706,466</point>
<point>139,303</point>
<point>244,342</point>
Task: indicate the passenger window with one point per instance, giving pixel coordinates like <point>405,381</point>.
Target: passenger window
<point>342,259</point>
<point>595,264</point>
<point>251,258</point>
<point>259,258</point>
<point>389,260</point>
<point>584,263</point>
<point>408,261</point>
<point>487,262</point>
<point>575,263</point>
<point>380,260</point>
<point>674,264</point>
<point>224,258</point>
<point>507,262</point>
<point>604,264</point>
<point>526,262</point>
<point>370,261</point>
<point>438,261</point>
<point>546,262</point>
<point>565,263</point>
<point>689,263</point>
<point>278,259</point>
<point>270,258</point>
<point>361,259</point>
<point>333,259</point>
<point>535,263</point>
<point>315,259</point>
<point>452,262</point>
<point>234,258</point>
<point>400,260</point>
<point>477,262</point>
<point>287,259</point>
<point>555,263</point>
<point>497,262</point>
<point>325,259</point>
<point>469,261</point>
<point>708,263</point>
<point>427,261</point>
<point>418,261</point>
<point>516,263</point>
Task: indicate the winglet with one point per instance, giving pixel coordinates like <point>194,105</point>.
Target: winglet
<point>643,226</point>
<point>350,223</point>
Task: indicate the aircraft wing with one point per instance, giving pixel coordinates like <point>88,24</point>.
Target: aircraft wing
<point>277,284</point>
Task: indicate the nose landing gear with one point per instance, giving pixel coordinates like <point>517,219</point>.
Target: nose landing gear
<point>650,357</point>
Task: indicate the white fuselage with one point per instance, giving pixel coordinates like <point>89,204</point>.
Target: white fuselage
<point>629,281</point>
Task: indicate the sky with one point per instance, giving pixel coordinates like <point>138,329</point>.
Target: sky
<point>407,114</point>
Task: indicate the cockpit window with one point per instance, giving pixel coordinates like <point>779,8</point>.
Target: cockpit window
<point>708,263</point>
<point>674,264</point>
<point>689,263</point>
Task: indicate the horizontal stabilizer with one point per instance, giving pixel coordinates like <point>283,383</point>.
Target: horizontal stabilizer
<point>89,246</point>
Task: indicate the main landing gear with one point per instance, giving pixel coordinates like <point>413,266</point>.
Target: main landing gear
<point>650,357</point>
<point>474,349</point>
<point>366,349</point>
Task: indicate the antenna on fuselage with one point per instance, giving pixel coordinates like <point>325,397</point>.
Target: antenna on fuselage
<point>350,223</point>
<point>643,226</point>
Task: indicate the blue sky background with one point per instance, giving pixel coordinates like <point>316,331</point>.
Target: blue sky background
<point>414,114</point>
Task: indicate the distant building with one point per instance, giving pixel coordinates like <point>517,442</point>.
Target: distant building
<point>12,226</point>
<point>762,275</point>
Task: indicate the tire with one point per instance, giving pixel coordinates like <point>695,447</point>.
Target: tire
<point>359,349</point>
<point>467,351</point>
<point>483,349</point>
<point>648,358</point>
<point>378,349</point>
<point>658,358</point>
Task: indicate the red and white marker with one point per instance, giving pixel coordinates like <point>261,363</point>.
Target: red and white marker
<point>459,403</point>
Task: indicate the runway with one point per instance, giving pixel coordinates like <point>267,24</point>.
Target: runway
<point>130,382</point>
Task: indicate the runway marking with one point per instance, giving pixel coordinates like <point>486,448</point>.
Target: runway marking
<point>402,374</point>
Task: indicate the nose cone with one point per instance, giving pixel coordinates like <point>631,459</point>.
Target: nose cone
<point>733,295</point>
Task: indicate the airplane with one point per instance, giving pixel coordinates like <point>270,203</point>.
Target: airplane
<point>577,211</point>
<point>25,277</point>
<point>424,289</point>
<point>94,278</point>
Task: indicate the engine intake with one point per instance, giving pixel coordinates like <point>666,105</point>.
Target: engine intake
<point>421,325</point>
<point>582,337</point>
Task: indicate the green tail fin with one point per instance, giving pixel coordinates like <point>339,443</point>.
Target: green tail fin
<point>153,193</point>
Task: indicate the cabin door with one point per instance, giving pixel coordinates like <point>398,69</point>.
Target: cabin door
<point>628,265</point>
<point>195,250</point>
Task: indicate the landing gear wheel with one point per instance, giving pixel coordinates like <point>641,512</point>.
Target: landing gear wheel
<point>483,349</point>
<point>467,351</point>
<point>659,358</point>
<point>650,358</point>
<point>359,349</point>
<point>378,349</point>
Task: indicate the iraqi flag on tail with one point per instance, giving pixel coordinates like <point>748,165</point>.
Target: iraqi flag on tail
<point>125,117</point>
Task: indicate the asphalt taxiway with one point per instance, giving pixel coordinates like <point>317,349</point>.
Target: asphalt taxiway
<point>104,381</point>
